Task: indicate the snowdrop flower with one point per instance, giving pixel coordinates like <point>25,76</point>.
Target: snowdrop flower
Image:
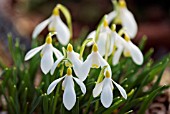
<point>105,37</point>
<point>73,57</point>
<point>129,49</point>
<point>47,51</point>
<point>69,96</point>
<point>105,88</point>
<point>55,24</point>
<point>94,60</point>
<point>125,17</point>
<point>80,68</point>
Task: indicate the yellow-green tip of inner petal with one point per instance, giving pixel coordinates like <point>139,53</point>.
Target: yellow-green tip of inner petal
<point>107,74</point>
<point>105,23</point>
<point>69,48</point>
<point>127,37</point>
<point>69,71</point>
<point>113,27</point>
<point>122,3</point>
<point>95,47</point>
<point>56,11</point>
<point>48,39</point>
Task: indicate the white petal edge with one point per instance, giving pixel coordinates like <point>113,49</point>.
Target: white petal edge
<point>40,27</point>
<point>136,54</point>
<point>81,84</point>
<point>97,89</point>
<point>85,68</point>
<point>91,35</point>
<point>117,55</point>
<point>102,43</point>
<point>107,94</point>
<point>63,33</point>
<point>57,53</point>
<point>111,16</point>
<point>120,88</point>
<point>53,85</point>
<point>47,61</point>
<point>129,22</point>
<point>55,65</point>
<point>32,52</point>
<point>69,96</point>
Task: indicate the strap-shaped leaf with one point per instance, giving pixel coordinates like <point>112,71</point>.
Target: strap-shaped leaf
<point>149,99</point>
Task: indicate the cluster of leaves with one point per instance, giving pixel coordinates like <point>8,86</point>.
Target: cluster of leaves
<point>17,85</point>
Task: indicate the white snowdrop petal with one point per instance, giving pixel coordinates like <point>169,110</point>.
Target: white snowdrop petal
<point>122,91</point>
<point>91,35</point>
<point>107,94</point>
<point>117,55</point>
<point>47,61</point>
<point>69,96</point>
<point>97,89</point>
<point>40,27</point>
<point>102,43</point>
<point>32,52</point>
<point>102,61</point>
<point>63,33</point>
<point>55,65</point>
<point>52,24</point>
<point>128,22</point>
<point>95,62</point>
<point>136,54</point>
<point>53,85</point>
<point>85,68</point>
<point>111,16</point>
<point>81,84</point>
<point>57,53</point>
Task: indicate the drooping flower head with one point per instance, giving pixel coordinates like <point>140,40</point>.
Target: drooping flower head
<point>128,49</point>
<point>69,96</point>
<point>105,39</point>
<point>47,51</point>
<point>105,88</point>
<point>73,57</point>
<point>125,17</point>
<point>55,24</point>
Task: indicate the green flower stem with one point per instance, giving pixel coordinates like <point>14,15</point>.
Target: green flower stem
<point>83,46</point>
<point>57,91</point>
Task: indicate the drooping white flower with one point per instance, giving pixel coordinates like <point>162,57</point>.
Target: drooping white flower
<point>129,49</point>
<point>55,24</point>
<point>106,89</point>
<point>105,38</point>
<point>125,17</point>
<point>47,51</point>
<point>73,57</point>
<point>69,96</point>
<point>94,60</point>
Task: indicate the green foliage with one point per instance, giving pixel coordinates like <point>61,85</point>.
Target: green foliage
<point>23,96</point>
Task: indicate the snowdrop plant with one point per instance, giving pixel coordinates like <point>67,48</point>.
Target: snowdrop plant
<point>21,92</point>
<point>69,96</point>
<point>55,24</point>
<point>46,54</point>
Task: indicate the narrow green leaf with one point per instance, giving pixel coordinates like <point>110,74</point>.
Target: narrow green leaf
<point>149,99</point>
